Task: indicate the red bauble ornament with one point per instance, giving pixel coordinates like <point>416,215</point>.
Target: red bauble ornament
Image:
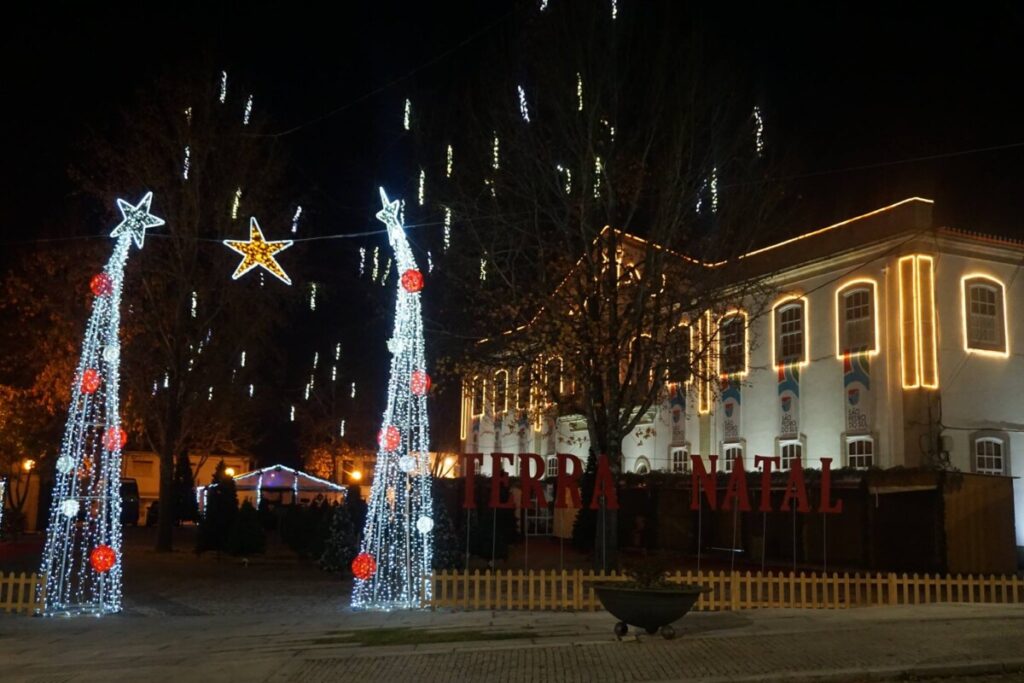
<point>389,437</point>
<point>102,558</point>
<point>420,383</point>
<point>115,438</point>
<point>90,381</point>
<point>101,284</point>
<point>364,566</point>
<point>412,280</point>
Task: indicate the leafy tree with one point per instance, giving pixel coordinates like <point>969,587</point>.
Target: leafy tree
<point>210,169</point>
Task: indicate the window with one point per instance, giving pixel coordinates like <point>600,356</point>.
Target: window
<point>789,332</point>
<point>855,318</point>
<point>984,315</point>
<point>500,391</point>
<point>642,466</point>
<point>734,345</point>
<point>730,453</point>
<point>990,455</point>
<point>479,391</point>
<point>860,452</point>
<point>552,469</point>
<point>788,452</point>
<point>679,459</point>
<point>522,389</point>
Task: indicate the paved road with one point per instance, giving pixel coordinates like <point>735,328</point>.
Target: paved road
<point>784,645</point>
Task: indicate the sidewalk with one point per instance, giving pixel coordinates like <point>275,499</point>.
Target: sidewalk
<point>758,645</point>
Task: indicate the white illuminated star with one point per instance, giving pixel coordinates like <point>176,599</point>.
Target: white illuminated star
<point>136,219</point>
<point>389,214</point>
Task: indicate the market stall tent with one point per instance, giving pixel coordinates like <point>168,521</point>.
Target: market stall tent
<point>279,485</point>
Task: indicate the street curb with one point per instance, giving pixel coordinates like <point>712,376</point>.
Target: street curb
<point>894,673</point>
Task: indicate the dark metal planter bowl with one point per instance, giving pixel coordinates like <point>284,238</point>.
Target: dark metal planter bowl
<point>651,609</point>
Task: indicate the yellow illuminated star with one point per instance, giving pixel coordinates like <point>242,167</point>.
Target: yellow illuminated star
<point>259,252</point>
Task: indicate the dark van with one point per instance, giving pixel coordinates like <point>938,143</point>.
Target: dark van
<point>129,502</point>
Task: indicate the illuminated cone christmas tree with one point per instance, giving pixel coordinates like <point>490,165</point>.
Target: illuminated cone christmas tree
<point>82,556</point>
<point>397,547</point>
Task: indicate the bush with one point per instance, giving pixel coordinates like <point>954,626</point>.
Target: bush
<point>218,519</point>
<point>449,551</point>
<point>247,535</point>
<point>342,543</point>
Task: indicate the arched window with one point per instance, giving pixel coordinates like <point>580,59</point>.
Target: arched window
<point>730,453</point>
<point>788,452</point>
<point>856,318</point>
<point>642,466</point>
<point>680,459</point>
<point>733,344</point>
<point>500,392</point>
<point>989,454</point>
<point>984,315</point>
<point>790,324</point>
<point>860,452</point>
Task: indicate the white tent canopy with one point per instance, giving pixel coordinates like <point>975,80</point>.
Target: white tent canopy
<point>279,484</point>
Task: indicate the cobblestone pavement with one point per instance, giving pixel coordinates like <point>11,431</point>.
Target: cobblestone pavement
<point>764,645</point>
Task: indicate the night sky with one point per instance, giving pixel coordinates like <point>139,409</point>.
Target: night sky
<point>850,93</point>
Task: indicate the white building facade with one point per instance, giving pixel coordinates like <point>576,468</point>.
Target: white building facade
<point>889,343</point>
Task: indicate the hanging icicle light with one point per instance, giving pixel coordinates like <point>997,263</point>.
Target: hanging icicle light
<point>524,108</point>
<point>352,393</point>
<point>758,131</point>
<point>316,359</point>
<point>483,270</point>
<point>714,190</point>
<point>401,211</point>
<point>579,91</point>
<point>421,195</point>
<point>209,395</point>
<point>387,271</point>
<point>295,219</point>
<point>306,393</point>
<point>376,264</point>
<point>223,86</point>
<point>407,116</point>
<point>291,414</point>
<point>241,361</point>
<point>598,171</point>
<point>567,178</point>
<point>187,163</point>
<point>615,9</point>
<point>195,303</point>
<point>337,351</point>
<point>334,373</point>
<point>236,204</point>
<point>248,111</point>
<point>495,153</point>
<point>447,228</point>
<point>252,389</point>
<point>430,262</point>
<point>449,158</point>
<point>312,296</point>
<point>341,428</point>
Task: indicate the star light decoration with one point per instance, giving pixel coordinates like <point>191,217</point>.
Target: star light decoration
<point>136,219</point>
<point>259,252</point>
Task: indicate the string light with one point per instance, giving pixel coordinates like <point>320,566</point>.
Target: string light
<point>489,182</point>
<point>483,270</point>
<point>306,394</point>
<point>376,264</point>
<point>567,175</point>
<point>195,304</point>
<point>598,170</point>
<point>448,161</point>
<point>447,228</point>
<point>89,465</point>
<point>236,204</point>
<point>362,260</point>
<point>407,117</point>
<point>337,351</point>
<point>495,156</point>
<point>334,373</point>
<point>615,9</point>
<point>312,296</point>
<point>397,545</point>
<point>185,166</point>
<point>341,428</point>
<point>295,219</point>
<point>387,271</point>
<point>543,5</point>
<point>316,359</point>
<point>524,108</point>
<point>209,395</point>
<point>248,111</point>
<point>167,380</point>
<point>401,211</point>
<point>758,131</point>
<point>258,252</point>
<point>252,390</point>
<point>223,86</point>
<point>352,394</point>
<point>421,195</point>
<point>430,263</point>
<point>291,414</point>
<point>242,360</point>
<point>714,189</point>
<point>579,91</point>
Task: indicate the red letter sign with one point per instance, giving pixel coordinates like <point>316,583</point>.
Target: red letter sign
<point>499,478</point>
<point>795,488</point>
<point>826,489</point>
<point>700,478</point>
<point>469,462</point>
<point>531,484</point>
<point>604,485</point>
<point>568,483</point>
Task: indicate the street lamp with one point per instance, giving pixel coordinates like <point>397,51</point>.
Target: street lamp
<point>355,475</point>
<point>230,471</point>
<point>28,464</point>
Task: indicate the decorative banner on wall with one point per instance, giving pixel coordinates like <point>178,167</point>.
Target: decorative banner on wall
<point>677,408</point>
<point>789,400</point>
<point>731,401</point>
<point>857,390</point>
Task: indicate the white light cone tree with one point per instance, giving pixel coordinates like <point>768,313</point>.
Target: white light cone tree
<point>82,556</point>
<point>397,546</point>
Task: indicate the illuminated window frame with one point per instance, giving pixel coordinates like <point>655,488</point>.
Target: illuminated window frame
<point>705,365</point>
<point>919,363</point>
<point>679,459</point>
<point>728,316</point>
<point>502,409</point>
<point>561,374</point>
<point>966,282</point>
<point>805,329</point>
<point>840,306</point>
<point>520,372</point>
<point>642,465</point>
<point>867,440</point>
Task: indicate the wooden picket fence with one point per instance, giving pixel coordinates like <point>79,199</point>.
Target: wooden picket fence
<point>574,590</point>
<point>21,593</point>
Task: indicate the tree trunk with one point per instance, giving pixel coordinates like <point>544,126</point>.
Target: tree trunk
<point>165,520</point>
<point>606,543</point>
